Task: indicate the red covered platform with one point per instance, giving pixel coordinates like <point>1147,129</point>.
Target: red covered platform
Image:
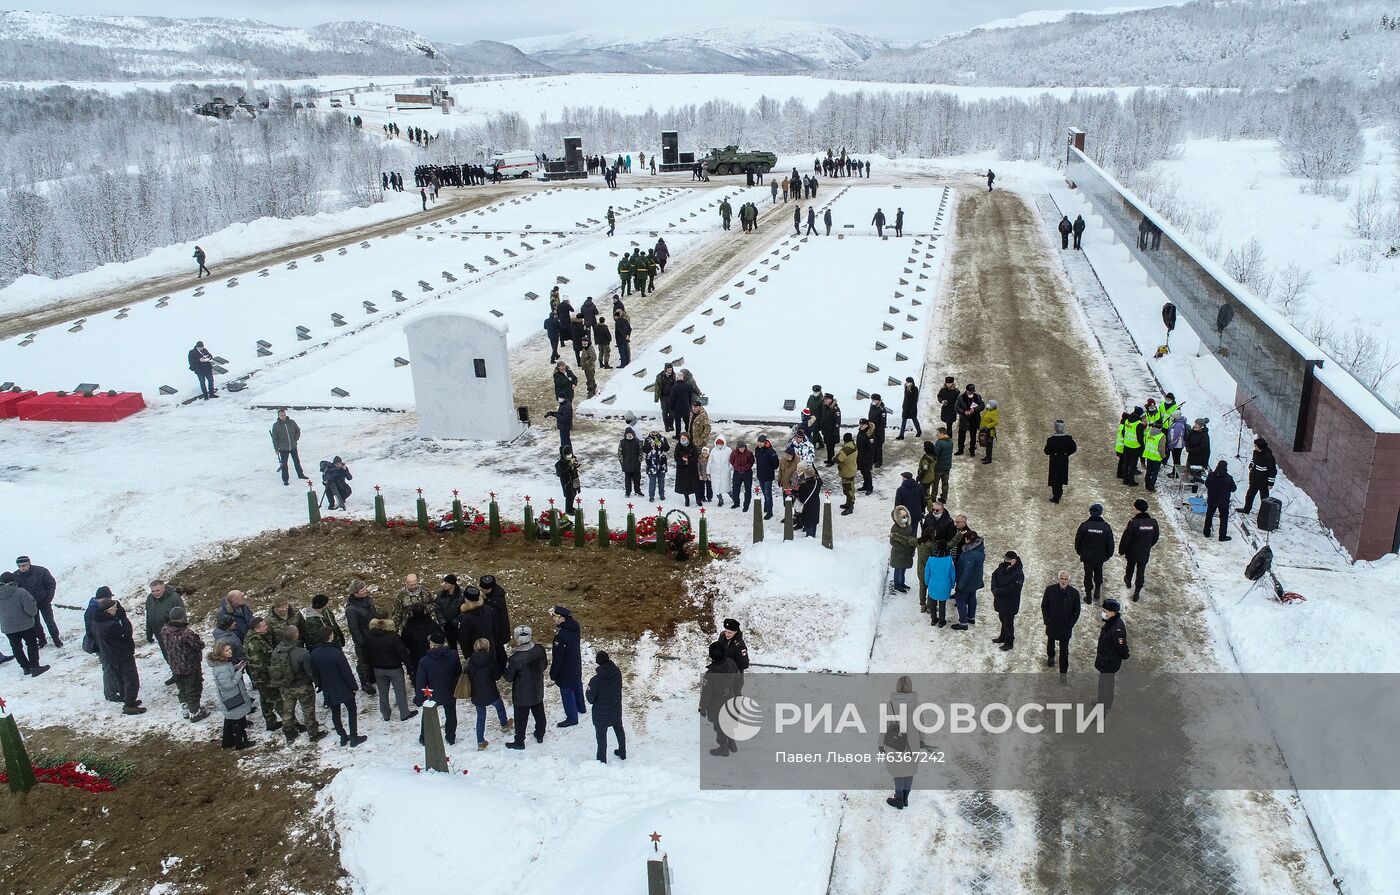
<point>74,408</point>
<point>9,403</point>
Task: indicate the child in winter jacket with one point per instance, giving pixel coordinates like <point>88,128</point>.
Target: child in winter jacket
<point>939,579</point>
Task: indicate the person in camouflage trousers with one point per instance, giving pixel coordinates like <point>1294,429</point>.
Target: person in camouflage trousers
<point>640,272</point>
<point>259,647</point>
<point>291,675</point>
<point>184,651</point>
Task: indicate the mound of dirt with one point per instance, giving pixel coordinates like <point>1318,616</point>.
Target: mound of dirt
<point>617,594</point>
<point>190,817</point>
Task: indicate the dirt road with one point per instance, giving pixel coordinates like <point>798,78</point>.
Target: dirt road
<point>1010,324</point>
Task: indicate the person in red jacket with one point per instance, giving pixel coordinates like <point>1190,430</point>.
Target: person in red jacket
<point>741,461</point>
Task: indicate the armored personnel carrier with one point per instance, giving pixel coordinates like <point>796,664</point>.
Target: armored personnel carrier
<point>730,160</point>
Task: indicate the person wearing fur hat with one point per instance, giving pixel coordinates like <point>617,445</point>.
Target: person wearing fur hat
<point>741,463</point>
<point>1007,580</point>
<point>604,693</point>
<point>1058,447</point>
<point>566,665</point>
<point>902,543</point>
<point>525,670</point>
<point>1112,650</point>
<point>629,457</point>
<point>847,465</point>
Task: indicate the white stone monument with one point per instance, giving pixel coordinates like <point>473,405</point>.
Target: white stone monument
<point>461,377</point>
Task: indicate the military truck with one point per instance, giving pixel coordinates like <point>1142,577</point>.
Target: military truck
<point>730,160</point>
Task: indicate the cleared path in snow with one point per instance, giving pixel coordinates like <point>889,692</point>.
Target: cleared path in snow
<point>1010,324</point>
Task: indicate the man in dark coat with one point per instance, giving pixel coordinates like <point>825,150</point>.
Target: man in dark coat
<point>1059,608</point>
<point>330,671</point>
<point>899,222</point>
<point>1093,543</point>
<point>235,606</point>
<point>938,526</point>
<point>1058,448</point>
<point>622,333</point>
<point>447,605</point>
<point>1112,650</point>
<point>1262,472</point>
<point>438,671</point>
<point>1007,580</point>
<point>525,670</point>
<point>19,621</point>
<point>910,496</point>
<point>947,403</point>
<point>629,457</point>
<point>1198,444</point>
<point>721,683</point>
<point>1219,486</point>
<point>879,415</point>
<point>1078,229</point>
<point>41,585</point>
<point>202,365</point>
<point>477,621</point>
<point>495,597</point>
<point>879,221</point>
<point>551,330</point>
<point>1065,227</point>
<point>604,693</point>
<point>566,665</point>
<point>830,426</point>
<point>909,409</point>
<point>117,648</point>
<point>359,612</point>
<point>969,406</point>
<point>865,457</point>
<point>1139,536</point>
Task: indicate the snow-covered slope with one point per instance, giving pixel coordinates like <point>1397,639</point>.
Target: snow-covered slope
<point>776,46</point>
<point>41,45</point>
<point>1203,43</point>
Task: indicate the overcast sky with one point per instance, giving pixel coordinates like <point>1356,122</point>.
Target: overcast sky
<point>482,19</point>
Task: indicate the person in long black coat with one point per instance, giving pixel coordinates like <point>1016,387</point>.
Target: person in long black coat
<point>476,621</point>
<point>1219,486</point>
<point>1058,448</point>
<point>330,671</point>
<point>1198,444</point>
<point>909,409</point>
<point>683,395</point>
<point>565,314</point>
<point>1135,545</point>
<point>447,606</point>
<point>438,671</point>
<point>910,496</point>
<point>948,403</point>
<point>808,495</point>
<point>720,682</point>
<point>687,458</point>
<point>495,596</point>
<point>604,693</point>
<point>1262,472</point>
<point>1007,580</point>
<point>629,456</point>
<point>116,646</point>
<point>1059,609</point>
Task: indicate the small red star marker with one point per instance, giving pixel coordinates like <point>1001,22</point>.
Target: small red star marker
<point>427,692</point>
<point>454,492</point>
<point>655,840</point>
<point>2,703</point>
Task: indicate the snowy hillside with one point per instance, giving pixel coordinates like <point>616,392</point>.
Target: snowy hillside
<point>1039,17</point>
<point>1216,43</point>
<point>46,45</point>
<point>780,46</point>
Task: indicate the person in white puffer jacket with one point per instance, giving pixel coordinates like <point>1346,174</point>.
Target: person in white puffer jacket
<point>719,469</point>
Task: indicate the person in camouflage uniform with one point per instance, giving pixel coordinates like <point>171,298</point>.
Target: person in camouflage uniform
<point>259,647</point>
<point>411,594</point>
<point>624,273</point>
<point>652,267</point>
<point>639,272</point>
<point>284,614</point>
<point>317,619</point>
<point>291,674</point>
<point>726,211</point>
<point>184,651</point>
<point>588,360</point>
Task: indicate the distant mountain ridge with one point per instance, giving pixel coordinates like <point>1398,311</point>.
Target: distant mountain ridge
<point>777,46</point>
<point>43,46</point>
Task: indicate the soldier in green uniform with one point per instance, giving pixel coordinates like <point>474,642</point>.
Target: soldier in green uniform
<point>318,618</point>
<point>284,614</point>
<point>624,273</point>
<point>726,211</point>
<point>588,360</point>
<point>639,272</point>
<point>259,646</point>
<point>291,674</point>
<point>651,270</point>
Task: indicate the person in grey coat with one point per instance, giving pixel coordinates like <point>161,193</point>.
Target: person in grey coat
<point>19,621</point>
<point>285,435</point>
<point>525,670</point>
<point>159,602</point>
<point>231,689</point>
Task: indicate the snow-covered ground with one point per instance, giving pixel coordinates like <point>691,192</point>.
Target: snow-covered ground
<point>1343,597</point>
<point>809,294</point>
<point>1241,187</point>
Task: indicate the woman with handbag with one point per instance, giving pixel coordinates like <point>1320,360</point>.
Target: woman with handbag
<point>479,685</point>
<point>233,695</point>
<point>987,431</point>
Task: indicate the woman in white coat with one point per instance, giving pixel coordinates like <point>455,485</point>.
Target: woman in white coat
<point>718,469</point>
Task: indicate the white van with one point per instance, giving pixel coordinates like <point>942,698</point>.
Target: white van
<point>517,163</point>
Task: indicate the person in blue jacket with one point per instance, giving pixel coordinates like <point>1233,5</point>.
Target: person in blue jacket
<point>438,671</point>
<point>566,665</point>
<point>939,580</point>
<point>969,570</point>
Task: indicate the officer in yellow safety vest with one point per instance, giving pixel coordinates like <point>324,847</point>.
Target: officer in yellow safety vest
<point>1132,446</point>
<point>1152,415</point>
<point>1118,441</point>
<point>1170,408</point>
<point>1152,443</point>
